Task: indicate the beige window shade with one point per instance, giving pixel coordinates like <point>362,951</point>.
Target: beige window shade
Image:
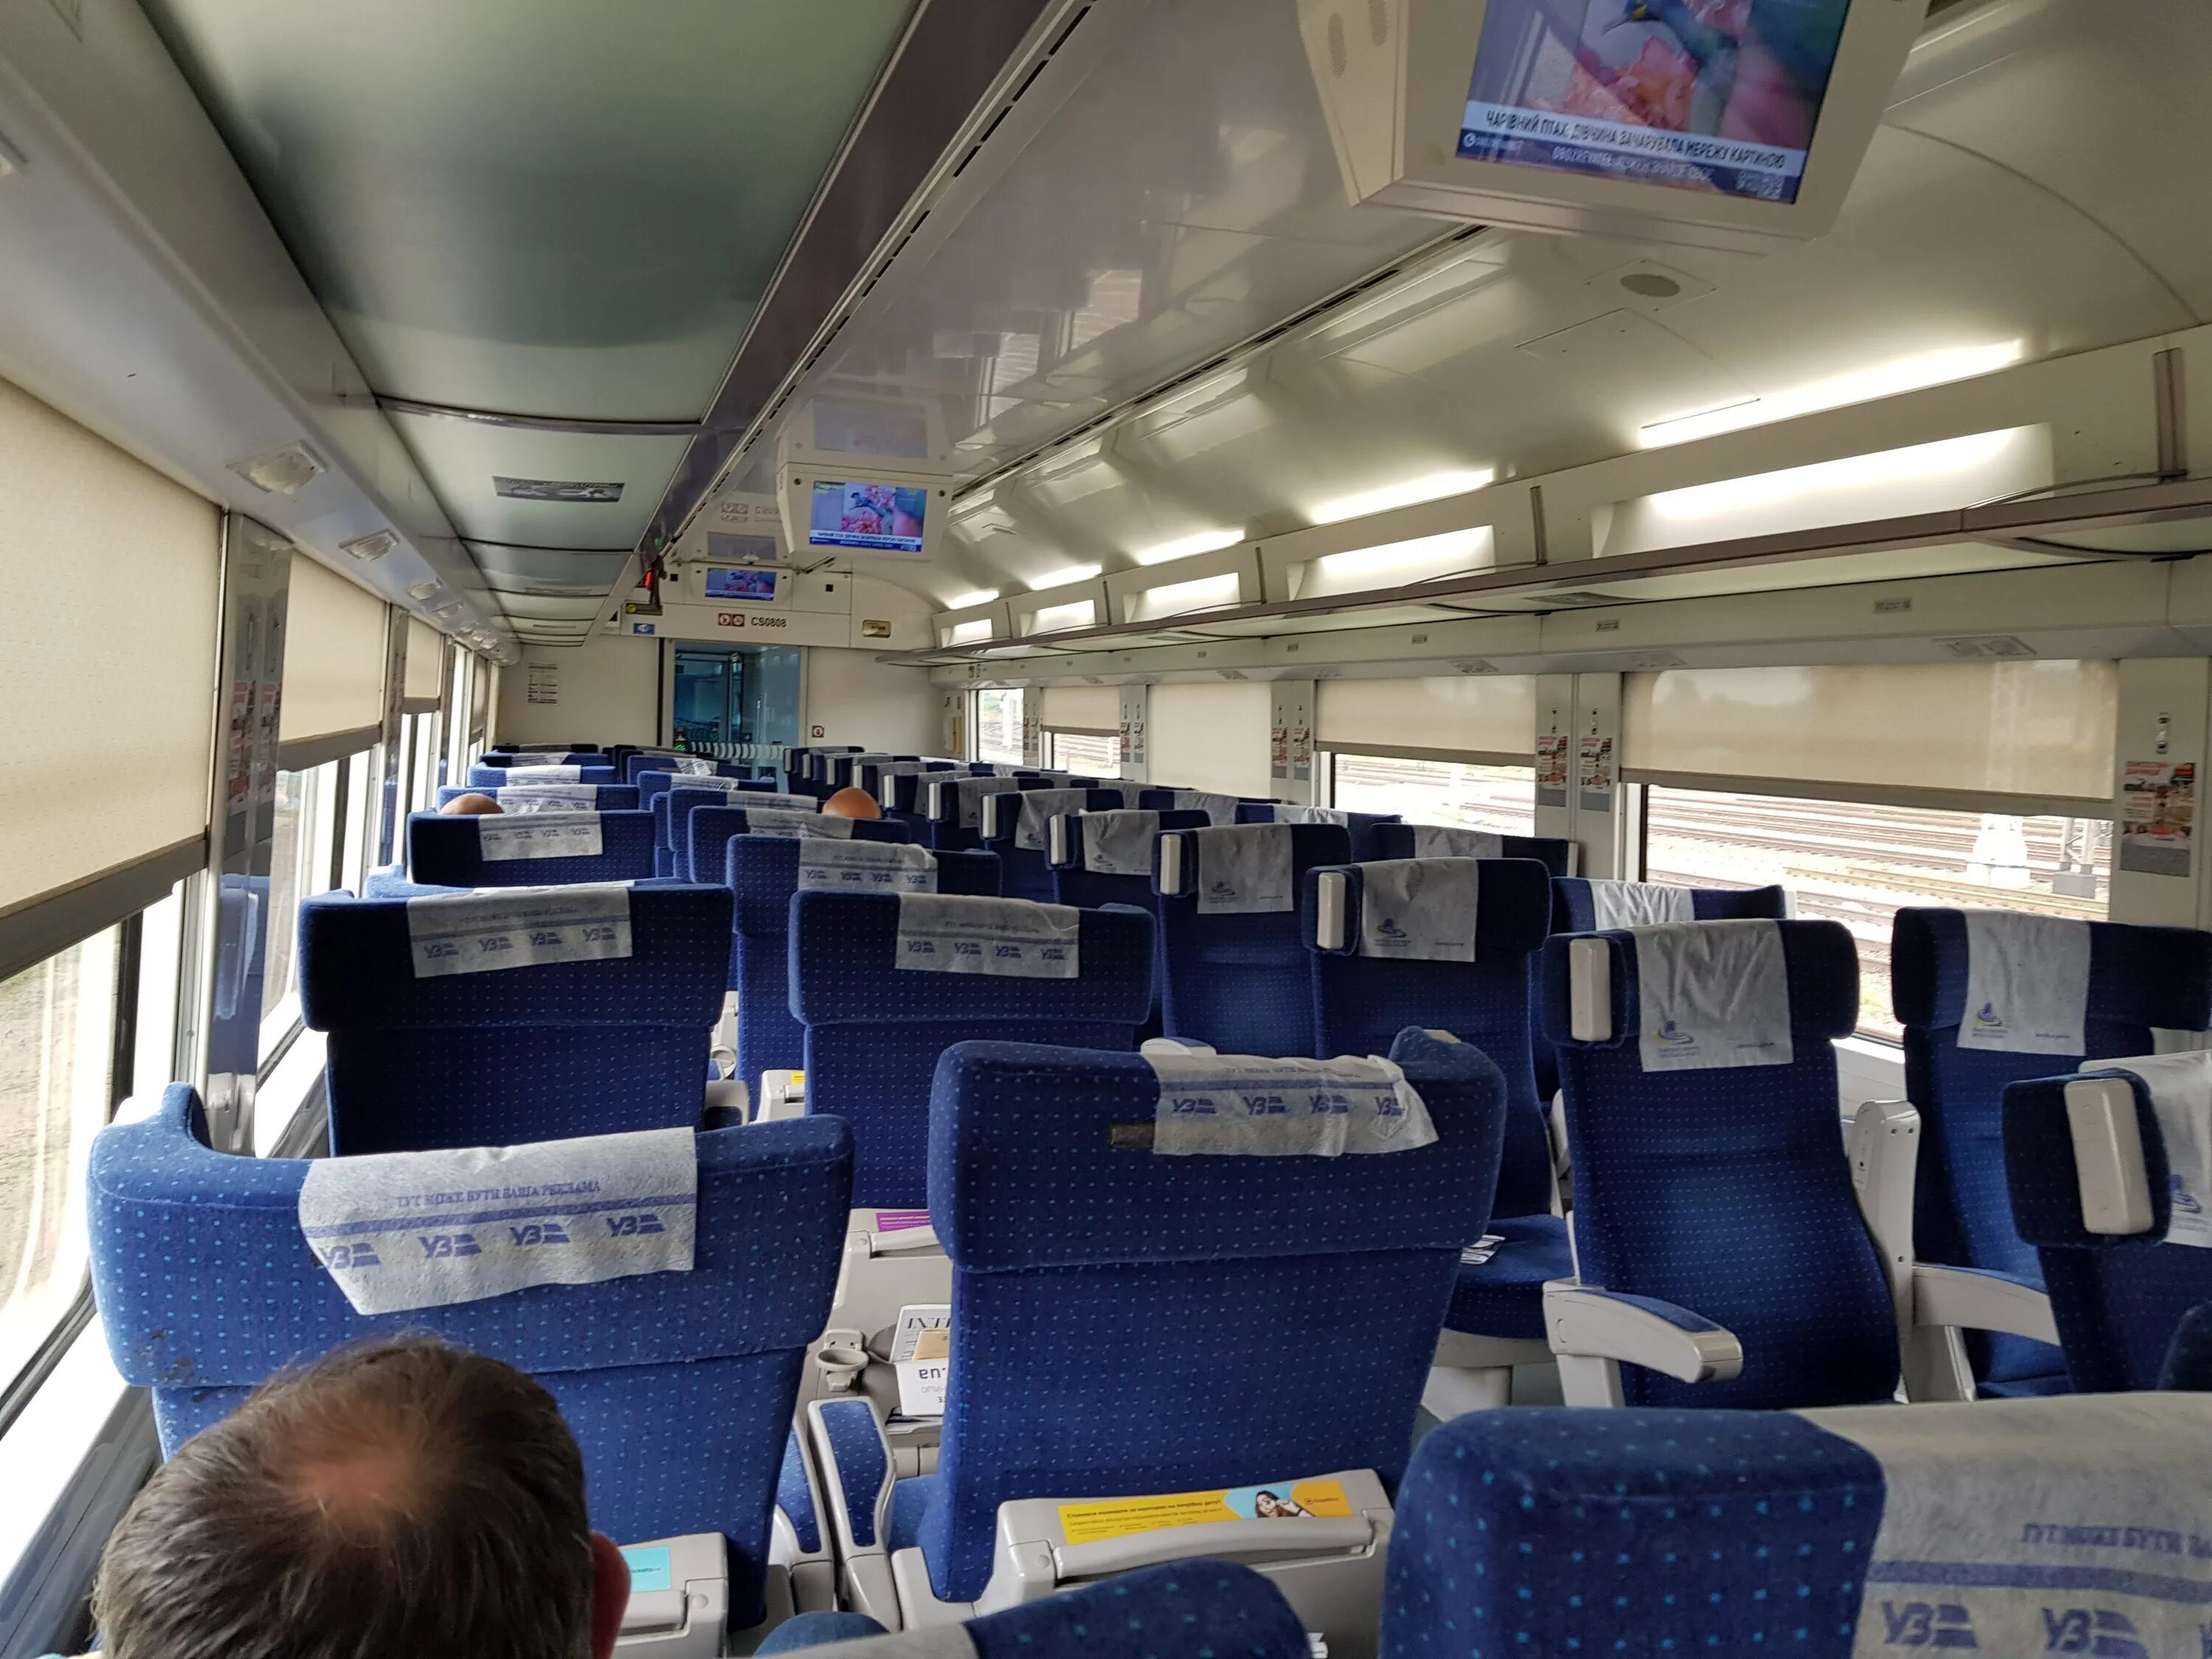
<point>334,643</point>
<point>110,577</point>
<point>1948,733</point>
<point>480,673</point>
<point>1489,716</point>
<point>423,685</point>
<point>1083,708</point>
<point>1211,735</point>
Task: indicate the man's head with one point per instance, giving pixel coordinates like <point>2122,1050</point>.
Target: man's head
<point>472,805</point>
<point>397,1498</point>
<point>851,804</point>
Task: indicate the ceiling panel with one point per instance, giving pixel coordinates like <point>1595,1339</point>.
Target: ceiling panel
<point>463,458</point>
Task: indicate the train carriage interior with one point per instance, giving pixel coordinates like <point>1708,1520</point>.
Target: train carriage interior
<point>1151,827</point>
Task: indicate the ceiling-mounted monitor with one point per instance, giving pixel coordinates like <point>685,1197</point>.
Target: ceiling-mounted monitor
<point>1733,124</point>
<point>864,510</point>
<point>740,584</point>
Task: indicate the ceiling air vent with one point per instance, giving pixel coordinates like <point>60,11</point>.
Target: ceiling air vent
<point>285,471</point>
<point>1653,659</point>
<point>1988,645</point>
<point>1475,665</point>
<point>556,489</point>
<point>373,545</point>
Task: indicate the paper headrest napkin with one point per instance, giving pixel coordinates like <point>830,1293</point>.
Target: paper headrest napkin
<point>492,928</point>
<point>538,834</point>
<point>2028,984</point>
<point>1419,909</point>
<point>1038,808</point>
<point>397,1231</point>
<point>547,797</point>
<point>865,867</point>
<point>1445,841</point>
<point>1244,869</point>
<point>1013,939</point>
<point>1220,810</point>
<point>1640,904</point>
<point>1712,994</point>
<point>796,822</point>
<point>2180,1090</point>
<point>1119,843</point>
<point>691,765</point>
<point>963,798</point>
<point>1285,814</point>
<point>543,774</point>
<point>1243,1105</point>
<point>725,786</point>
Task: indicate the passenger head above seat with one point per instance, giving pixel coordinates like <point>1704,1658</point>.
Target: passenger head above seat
<point>853,804</point>
<point>399,1497</point>
<point>472,805</point>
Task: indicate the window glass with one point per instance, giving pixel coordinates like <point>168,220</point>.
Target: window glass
<point>161,958</point>
<point>423,787</point>
<point>57,1040</point>
<point>1502,798</point>
<point>299,867</point>
<point>1857,863</point>
<point>360,820</point>
<point>1084,754</point>
<point>999,726</point>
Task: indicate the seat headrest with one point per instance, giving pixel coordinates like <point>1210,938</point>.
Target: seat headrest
<point>761,872</point>
<point>1026,1168</point>
<point>1512,915</point>
<point>2138,975</point>
<point>1392,840</point>
<point>845,952</point>
<point>1819,957</point>
<point>1311,844</point>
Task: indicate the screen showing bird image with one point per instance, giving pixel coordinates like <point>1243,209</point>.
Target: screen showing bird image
<point>1718,96</point>
<point>878,517</point>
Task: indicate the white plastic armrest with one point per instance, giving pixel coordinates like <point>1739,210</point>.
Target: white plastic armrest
<point>724,1058</point>
<point>1171,847</point>
<point>1587,1324</point>
<point>1966,1298</point>
<point>782,1094</point>
<point>1245,1540</point>
<point>1166,1045</point>
<point>905,1241</point>
<point>1056,843</point>
<point>729,1094</point>
<point>866,1567</point>
<point>1883,1143</point>
<point>1589,990</point>
<point>1329,910</point>
<point>2108,1155</point>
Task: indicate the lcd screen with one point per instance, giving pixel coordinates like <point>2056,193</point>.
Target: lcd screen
<point>1701,94</point>
<point>884,517</point>
<point>740,584</point>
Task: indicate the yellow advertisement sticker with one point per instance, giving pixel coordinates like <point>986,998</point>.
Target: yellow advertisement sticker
<point>1117,1517</point>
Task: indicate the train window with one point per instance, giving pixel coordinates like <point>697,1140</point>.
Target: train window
<point>57,1027</point>
<point>1086,754</point>
<point>998,726</point>
<point>1496,798</point>
<point>300,865</point>
<point>1859,864</point>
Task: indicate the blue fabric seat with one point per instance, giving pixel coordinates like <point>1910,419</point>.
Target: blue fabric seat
<point>2118,1302</point>
<point>1185,1278</point>
<point>605,797</point>
<point>2139,978</point>
<point>762,872</point>
<point>539,1052</point>
<point>874,1030</point>
<point>2189,1356</point>
<point>446,851</point>
<point>1029,873</point>
<point>679,1387</point>
<point>1395,840</point>
<point>482,777</point>
<point>708,823</point>
<point>635,766</point>
<point>1073,883</point>
<point>552,756</point>
<point>1242,983</point>
<point>1727,1191</point>
<point>1360,826</point>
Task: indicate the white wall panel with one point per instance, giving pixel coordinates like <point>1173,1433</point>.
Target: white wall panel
<point>334,648</point>
<point>604,691</point>
<point>855,699</point>
<point>1212,734</point>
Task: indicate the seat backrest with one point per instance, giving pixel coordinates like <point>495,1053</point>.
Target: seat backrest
<point>954,806</point>
<point>875,1028</point>
<point>1189,1608</point>
<point>604,796</point>
<point>1726,1189</point>
<point>708,822</point>
<point>875,776</point>
<point>1220,810</point>
<point>515,1054</point>
<point>1017,828</point>
<point>2189,1357</point>
<point>1186,1275</point>
<point>704,766</point>
<point>526,849</point>
<point>550,755</point>
<point>679,1386</point>
<point>763,874</point>
<point>2117,1300</point>
<point>2139,978</point>
<point>1075,881</point>
<point>1421,840</point>
<point>1361,1001</point>
<point>1360,826</point>
<point>482,777</point>
<point>1239,982</point>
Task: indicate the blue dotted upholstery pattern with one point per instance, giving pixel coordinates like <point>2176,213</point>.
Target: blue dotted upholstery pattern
<point>653,783</point>
<point>605,797</point>
<point>1542,1531</point>
<point>857,1462</point>
<point>443,852</point>
<point>679,1387</point>
<point>1186,1610</point>
<point>542,1053</point>
<point>1242,983</point>
<point>1213,1294</point>
<point>1361,828</point>
<point>874,1031</point>
<point>2139,977</point>
<point>482,777</point>
<point>2117,1302</point>
<point>1503,1296</point>
<point>795,1498</point>
<point>2188,1364</point>
<point>1728,1191</point>
<point>1395,841</point>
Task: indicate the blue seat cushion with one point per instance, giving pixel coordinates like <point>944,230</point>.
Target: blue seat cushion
<point>1503,1296</point>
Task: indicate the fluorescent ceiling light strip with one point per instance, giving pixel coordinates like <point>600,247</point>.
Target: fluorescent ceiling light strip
<point>969,601</point>
<point>1944,458</point>
<point>1861,387</point>
<point>1183,547</point>
<point>1429,487</point>
<point>1074,573</point>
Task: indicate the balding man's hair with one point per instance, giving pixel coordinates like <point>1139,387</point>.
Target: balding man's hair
<point>393,1499</point>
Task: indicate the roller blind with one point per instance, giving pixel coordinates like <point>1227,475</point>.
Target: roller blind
<point>110,577</point>
<point>1082,709</point>
<point>423,687</point>
<point>1492,715</point>
<point>1955,733</point>
<point>334,644</point>
<point>480,673</point>
<point>1211,735</point>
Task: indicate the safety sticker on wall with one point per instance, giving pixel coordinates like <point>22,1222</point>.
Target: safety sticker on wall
<point>1288,1500</point>
<point>544,681</point>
